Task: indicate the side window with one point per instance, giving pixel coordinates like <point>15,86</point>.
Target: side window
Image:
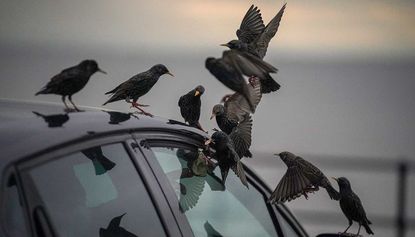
<point>96,192</point>
<point>212,209</point>
<point>14,221</point>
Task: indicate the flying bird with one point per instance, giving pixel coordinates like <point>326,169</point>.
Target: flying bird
<point>230,149</point>
<point>352,206</point>
<point>137,86</point>
<point>254,37</point>
<point>301,178</point>
<point>190,104</point>
<point>235,107</point>
<point>70,81</point>
<point>230,68</point>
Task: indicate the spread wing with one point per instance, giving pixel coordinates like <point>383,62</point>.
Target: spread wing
<point>242,138</point>
<point>251,26</point>
<point>194,188</point>
<point>237,106</point>
<point>269,32</point>
<point>291,186</point>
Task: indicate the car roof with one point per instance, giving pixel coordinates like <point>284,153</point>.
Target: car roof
<point>30,127</point>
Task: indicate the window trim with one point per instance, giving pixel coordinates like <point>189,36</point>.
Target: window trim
<point>31,197</point>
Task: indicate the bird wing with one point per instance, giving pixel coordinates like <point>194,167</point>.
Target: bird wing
<point>194,189</point>
<point>237,106</point>
<point>251,26</point>
<point>271,29</point>
<point>291,186</point>
<point>242,138</point>
<point>66,74</point>
<point>248,64</point>
<point>313,173</point>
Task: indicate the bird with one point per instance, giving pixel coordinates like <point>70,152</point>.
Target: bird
<point>71,80</point>
<point>254,37</point>
<point>54,120</point>
<point>230,148</point>
<point>114,229</point>
<point>235,107</point>
<point>190,104</point>
<point>137,86</point>
<point>230,68</point>
<point>352,206</point>
<point>301,178</point>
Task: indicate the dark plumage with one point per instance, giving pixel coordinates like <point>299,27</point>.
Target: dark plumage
<point>301,178</point>
<point>230,149</point>
<point>137,86</point>
<point>236,107</point>
<point>254,37</point>
<point>210,231</point>
<point>54,120</point>
<point>119,117</point>
<point>190,104</point>
<point>71,80</point>
<point>114,229</point>
<point>352,206</point>
<point>233,64</point>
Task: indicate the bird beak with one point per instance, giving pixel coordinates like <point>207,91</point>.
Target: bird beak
<point>197,93</point>
<point>208,142</point>
<point>171,74</point>
<point>226,45</point>
<point>102,71</point>
<point>212,116</point>
<point>335,179</point>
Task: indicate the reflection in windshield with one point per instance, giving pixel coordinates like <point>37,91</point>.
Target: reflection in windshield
<point>210,231</point>
<point>101,163</point>
<point>119,117</point>
<point>115,230</point>
<point>54,120</point>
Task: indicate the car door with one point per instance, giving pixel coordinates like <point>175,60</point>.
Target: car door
<point>94,188</point>
<point>199,200</point>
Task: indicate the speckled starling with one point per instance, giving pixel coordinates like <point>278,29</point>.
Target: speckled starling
<point>254,37</point>
<point>352,206</point>
<point>137,86</point>
<point>233,65</point>
<point>190,104</point>
<point>71,80</point>
<point>301,178</point>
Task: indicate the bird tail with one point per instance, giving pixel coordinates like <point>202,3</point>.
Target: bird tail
<point>269,85</point>
<point>248,154</point>
<point>332,192</point>
<point>44,90</point>
<point>367,228</point>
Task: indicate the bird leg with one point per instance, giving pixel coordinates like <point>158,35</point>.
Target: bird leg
<point>70,100</point>
<point>136,105</point>
<point>358,231</point>
<point>350,224</point>
<point>64,102</point>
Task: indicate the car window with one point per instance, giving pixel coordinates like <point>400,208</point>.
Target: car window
<point>211,209</point>
<point>286,227</point>
<point>14,221</point>
<point>96,192</point>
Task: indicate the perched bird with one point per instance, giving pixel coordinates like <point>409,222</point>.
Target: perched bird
<point>352,206</point>
<point>137,86</point>
<point>114,229</point>
<point>254,37</point>
<point>54,120</point>
<point>101,163</point>
<point>229,149</point>
<point>233,65</point>
<point>301,178</point>
<point>71,80</point>
<point>190,106</point>
<point>235,107</point>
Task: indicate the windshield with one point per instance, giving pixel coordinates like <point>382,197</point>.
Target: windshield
<point>212,209</point>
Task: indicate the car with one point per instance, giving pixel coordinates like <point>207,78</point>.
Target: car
<point>108,173</point>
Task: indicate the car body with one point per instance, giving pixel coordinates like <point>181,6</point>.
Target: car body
<point>107,173</point>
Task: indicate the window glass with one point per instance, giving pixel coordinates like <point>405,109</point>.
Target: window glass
<point>287,229</point>
<point>14,220</point>
<point>96,192</point>
<point>211,209</point>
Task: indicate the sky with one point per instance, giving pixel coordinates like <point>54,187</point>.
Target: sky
<point>346,67</point>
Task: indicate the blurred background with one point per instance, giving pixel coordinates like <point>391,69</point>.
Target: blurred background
<point>346,68</point>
